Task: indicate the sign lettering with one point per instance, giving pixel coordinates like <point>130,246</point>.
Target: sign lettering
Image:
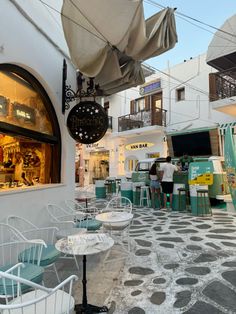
<point>152,86</point>
<point>138,146</point>
<point>26,113</point>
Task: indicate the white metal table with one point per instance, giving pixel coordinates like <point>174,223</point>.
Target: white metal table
<point>111,217</point>
<point>86,244</point>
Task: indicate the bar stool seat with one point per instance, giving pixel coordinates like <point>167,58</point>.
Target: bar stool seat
<point>203,203</point>
<point>145,196</point>
<point>183,199</point>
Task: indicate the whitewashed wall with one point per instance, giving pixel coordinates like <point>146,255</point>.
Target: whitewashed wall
<point>22,44</point>
<point>193,112</point>
<point>196,110</point>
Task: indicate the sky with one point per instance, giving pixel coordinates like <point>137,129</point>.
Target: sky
<point>192,39</point>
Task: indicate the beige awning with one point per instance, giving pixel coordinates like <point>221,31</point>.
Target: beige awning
<point>221,53</point>
<point>108,39</point>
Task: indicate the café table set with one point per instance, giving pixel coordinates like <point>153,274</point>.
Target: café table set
<point>84,243</point>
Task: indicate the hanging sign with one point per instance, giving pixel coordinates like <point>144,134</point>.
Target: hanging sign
<point>87,122</point>
<point>150,87</point>
<point>139,145</point>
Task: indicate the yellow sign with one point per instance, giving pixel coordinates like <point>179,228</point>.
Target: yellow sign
<point>138,146</point>
<point>206,178</point>
<point>154,155</point>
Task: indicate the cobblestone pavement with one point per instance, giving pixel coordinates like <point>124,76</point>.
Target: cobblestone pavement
<point>179,264</point>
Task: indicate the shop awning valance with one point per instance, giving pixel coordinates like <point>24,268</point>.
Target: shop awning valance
<point>108,39</point>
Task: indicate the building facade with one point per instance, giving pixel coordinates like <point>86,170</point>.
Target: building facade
<point>37,155</point>
<point>177,99</point>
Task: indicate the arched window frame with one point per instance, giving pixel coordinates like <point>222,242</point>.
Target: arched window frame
<point>55,139</point>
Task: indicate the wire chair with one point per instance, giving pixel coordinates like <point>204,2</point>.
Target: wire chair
<point>76,208</point>
<point>30,231</point>
<point>39,299</point>
<point>14,248</point>
<point>119,231</point>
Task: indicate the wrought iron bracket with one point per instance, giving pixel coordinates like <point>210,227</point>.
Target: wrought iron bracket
<point>69,95</point>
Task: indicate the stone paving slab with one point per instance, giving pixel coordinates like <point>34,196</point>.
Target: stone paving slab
<point>179,264</point>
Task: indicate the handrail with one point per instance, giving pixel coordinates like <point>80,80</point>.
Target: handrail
<point>142,119</point>
<point>222,85</point>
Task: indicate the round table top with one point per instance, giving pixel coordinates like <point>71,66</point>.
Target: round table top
<point>85,244</point>
<point>114,216</point>
<point>63,233</point>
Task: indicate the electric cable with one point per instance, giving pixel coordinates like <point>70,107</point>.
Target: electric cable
<point>189,17</point>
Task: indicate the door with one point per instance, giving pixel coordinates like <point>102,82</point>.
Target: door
<point>156,107</point>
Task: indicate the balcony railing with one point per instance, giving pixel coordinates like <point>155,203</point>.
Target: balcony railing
<point>222,84</point>
<point>142,119</point>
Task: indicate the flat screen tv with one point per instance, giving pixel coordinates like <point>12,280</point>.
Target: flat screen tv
<point>194,144</point>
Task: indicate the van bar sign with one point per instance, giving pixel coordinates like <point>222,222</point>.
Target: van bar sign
<point>139,145</point>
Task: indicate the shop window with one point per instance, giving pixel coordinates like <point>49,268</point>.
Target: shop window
<point>180,94</point>
<point>29,131</point>
<point>140,104</point>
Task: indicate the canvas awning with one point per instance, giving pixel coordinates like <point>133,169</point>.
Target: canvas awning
<point>108,39</point>
<point>221,53</point>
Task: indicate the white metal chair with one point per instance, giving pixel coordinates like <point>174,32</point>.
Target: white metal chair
<point>119,203</point>
<point>119,231</point>
<point>30,231</point>
<point>14,248</point>
<point>99,204</point>
<point>71,218</point>
<point>75,208</point>
<point>40,300</point>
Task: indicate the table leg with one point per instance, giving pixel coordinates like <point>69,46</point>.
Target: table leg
<point>85,307</point>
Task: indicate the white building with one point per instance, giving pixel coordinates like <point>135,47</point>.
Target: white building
<point>174,100</point>
<point>32,49</point>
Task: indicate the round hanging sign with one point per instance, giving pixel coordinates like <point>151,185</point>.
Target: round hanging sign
<point>87,122</point>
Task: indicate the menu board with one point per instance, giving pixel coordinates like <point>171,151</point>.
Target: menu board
<point>3,106</point>
<point>201,173</point>
<point>87,239</point>
<point>23,112</point>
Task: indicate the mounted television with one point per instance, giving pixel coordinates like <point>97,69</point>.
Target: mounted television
<point>194,144</point>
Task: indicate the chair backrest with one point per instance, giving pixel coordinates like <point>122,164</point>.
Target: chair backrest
<point>56,212</point>
<point>119,203</point>
<point>30,231</point>
<point>39,300</point>
<point>9,234</point>
<point>20,223</point>
<point>13,245</point>
<point>99,203</point>
<point>74,206</point>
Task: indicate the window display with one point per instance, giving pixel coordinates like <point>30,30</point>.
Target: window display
<point>29,131</point>
<point>22,162</point>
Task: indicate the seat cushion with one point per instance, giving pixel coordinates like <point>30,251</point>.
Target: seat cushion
<point>59,303</point>
<point>29,271</point>
<point>49,255</point>
<point>90,224</point>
